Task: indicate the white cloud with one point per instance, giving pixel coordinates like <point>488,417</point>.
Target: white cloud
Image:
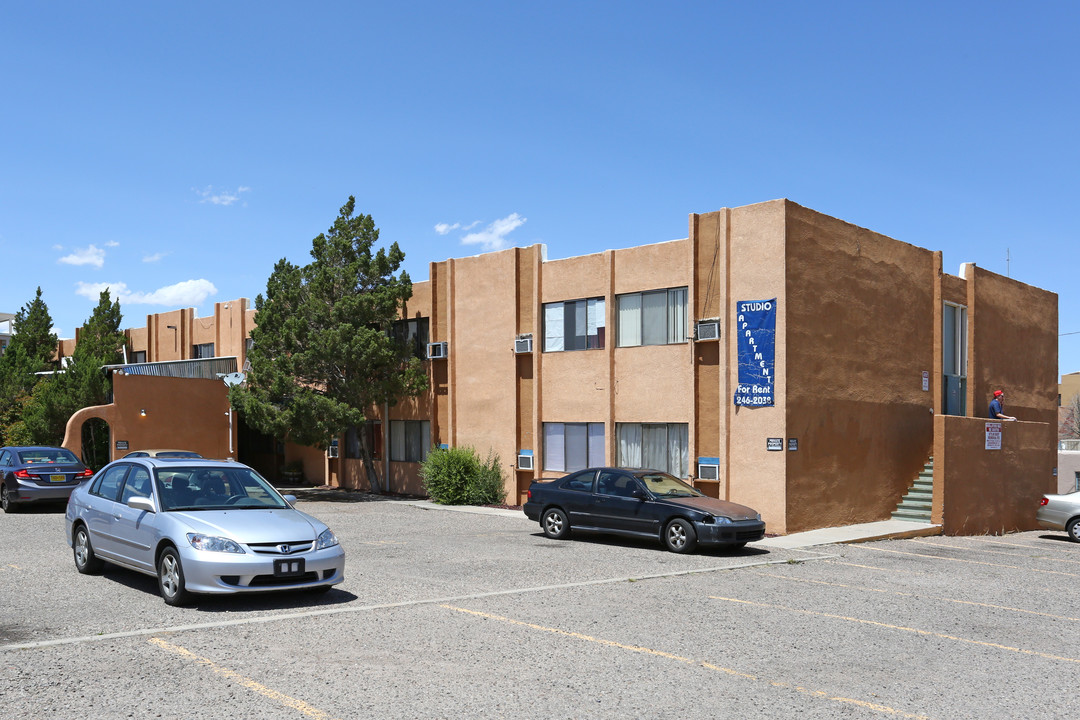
<point>182,294</point>
<point>58,247</point>
<point>92,255</point>
<point>154,258</point>
<point>493,237</point>
<point>221,197</point>
<point>445,228</point>
<point>112,243</point>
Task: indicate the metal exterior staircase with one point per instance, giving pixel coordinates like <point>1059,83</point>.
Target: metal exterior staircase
<point>915,505</point>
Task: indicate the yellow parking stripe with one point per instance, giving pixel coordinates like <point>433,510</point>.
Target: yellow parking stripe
<point>873,567</point>
<point>972,562</point>
<point>247,682</point>
<point>690,661</point>
<point>922,597</point>
<point>917,631</point>
<point>1006,552</point>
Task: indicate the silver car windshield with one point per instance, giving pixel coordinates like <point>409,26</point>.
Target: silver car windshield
<point>215,488</point>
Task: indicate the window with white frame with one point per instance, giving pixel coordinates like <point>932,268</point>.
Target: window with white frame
<point>574,325</point>
<point>656,446</point>
<point>569,447</point>
<point>410,440</point>
<point>657,317</point>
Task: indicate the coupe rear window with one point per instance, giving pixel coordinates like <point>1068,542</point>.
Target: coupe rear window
<point>47,455</point>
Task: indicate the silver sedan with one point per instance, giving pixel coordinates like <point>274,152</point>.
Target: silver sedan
<point>1060,512</point>
<point>199,526</point>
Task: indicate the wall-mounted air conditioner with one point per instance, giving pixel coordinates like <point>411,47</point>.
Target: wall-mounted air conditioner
<point>332,451</point>
<point>708,471</point>
<point>525,460</point>
<point>708,330</point>
<point>436,350</point>
<point>523,344</point>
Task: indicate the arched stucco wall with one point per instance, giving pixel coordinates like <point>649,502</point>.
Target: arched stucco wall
<point>182,413</point>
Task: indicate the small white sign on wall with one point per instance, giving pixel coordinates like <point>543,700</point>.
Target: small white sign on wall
<point>993,436</point>
<point>926,380</point>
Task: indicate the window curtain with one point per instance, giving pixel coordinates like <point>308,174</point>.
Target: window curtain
<point>554,452</point>
<point>397,440</point>
<point>678,449</point>
<point>596,445</point>
<point>628,439</point>
<point>629,320</point>
<point>595,323</point>
<point>553,328</point>
<point>676,315</point>
<point>577,446</point>
<point>654,447</point>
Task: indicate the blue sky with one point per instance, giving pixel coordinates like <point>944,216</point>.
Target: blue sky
<point>175,151</point>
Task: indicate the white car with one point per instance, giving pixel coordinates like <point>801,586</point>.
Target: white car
<point>199,526</point>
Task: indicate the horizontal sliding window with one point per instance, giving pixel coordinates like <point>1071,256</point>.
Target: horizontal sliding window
<point>569,447</point>
<point>657,317</point>
<point>653,446</point>
<point>574,325</point>
<point>410,440</point>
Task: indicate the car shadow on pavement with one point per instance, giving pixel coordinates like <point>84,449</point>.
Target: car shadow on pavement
<point>648,544</point>
<point>342,495</point>
<point>1059,538</point>
<point>241,602</point>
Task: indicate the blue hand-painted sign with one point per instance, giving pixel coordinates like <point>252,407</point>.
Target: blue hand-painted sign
<point>756,329</point>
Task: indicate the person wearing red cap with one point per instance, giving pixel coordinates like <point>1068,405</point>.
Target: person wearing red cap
<point>997,406</point>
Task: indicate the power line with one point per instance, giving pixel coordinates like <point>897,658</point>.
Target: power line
<point>1072,333</point>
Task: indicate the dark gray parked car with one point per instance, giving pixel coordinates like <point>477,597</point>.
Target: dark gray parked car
<point>640,503</point>
<point>38,473</point>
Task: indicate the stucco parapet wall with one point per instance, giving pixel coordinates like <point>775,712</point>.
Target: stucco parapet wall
<point>979,490</point>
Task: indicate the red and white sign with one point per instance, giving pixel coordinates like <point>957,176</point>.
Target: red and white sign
<point>993,436</point>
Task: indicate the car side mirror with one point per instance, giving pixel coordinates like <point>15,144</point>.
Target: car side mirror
<point>141,503</point>
<point>638,493</point>
<point>291,499</point>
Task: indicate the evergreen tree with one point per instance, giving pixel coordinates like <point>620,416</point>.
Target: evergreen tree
<point>31,350</point>
<point>324,352</point>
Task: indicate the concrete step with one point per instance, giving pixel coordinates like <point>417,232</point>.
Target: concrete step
<point>912,515</point>
<point>921,505</point>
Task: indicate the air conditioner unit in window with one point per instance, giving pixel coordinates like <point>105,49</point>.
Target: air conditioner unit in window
<point>523,344</point>
<point>525,462</point>
<point>708,472</point>
<point>332,451</point>
<point>708,330</point>
<point>436,350</point>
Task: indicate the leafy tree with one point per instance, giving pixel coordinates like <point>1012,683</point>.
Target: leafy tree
<point>324,352</point>
<point>1069,427</point>
<point>44,414</point>
<point>31,350</point>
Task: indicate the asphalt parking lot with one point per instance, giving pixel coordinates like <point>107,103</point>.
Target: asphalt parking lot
<point>449,614</point>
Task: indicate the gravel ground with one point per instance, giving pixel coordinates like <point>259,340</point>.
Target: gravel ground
<point>448,614</point>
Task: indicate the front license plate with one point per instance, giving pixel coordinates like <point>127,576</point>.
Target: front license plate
<point>289,568</point>
<point>57,478</point>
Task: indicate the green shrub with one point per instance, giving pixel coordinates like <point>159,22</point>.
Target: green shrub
<point>456,476</point>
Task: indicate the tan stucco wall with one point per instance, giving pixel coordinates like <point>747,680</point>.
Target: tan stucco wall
<point>1013,336</point>
<point>181,413</point>
<point>979,491</point>
<point>860,318</point>
<point>755,476</point>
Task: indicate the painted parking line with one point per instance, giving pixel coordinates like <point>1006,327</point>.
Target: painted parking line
<point>256,687</point>
<point>808,556</point>
<point>901,628</point>
<point>965,560</point>
<point>1056,545</point>
<point>1001,552</point>
<point>917,596</point>
<point>874,567</point>
<point>690,661</point>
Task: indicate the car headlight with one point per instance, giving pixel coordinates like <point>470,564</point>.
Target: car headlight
<point>326,540</point>
<point>213,544</point>
<point>721,520</point>
<point>758,516</point>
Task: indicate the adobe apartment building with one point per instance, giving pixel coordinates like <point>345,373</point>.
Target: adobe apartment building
<point>776,356</point>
